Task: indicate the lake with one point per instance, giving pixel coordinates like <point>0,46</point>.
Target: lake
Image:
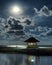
<point>19,59</point>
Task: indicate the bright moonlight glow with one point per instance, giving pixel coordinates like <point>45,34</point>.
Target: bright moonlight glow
<point>15,10</point>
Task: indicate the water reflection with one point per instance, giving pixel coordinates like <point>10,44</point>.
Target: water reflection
<point>42,60</point>
<point>30,60</point>
<point>19,59</point>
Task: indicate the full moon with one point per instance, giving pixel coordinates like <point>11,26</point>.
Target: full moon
<point>15,10</point>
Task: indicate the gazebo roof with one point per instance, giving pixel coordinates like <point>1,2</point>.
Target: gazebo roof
<point>32,39</point>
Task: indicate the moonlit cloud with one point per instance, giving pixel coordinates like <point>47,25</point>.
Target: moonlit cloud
<point>38,31</point>
<point>44,11</point>
<point>10,25</point>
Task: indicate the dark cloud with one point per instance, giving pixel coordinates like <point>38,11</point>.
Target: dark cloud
<point>15,29</point>
<point>13,21</point>
<point>28,22</point>
<point>14,24</point>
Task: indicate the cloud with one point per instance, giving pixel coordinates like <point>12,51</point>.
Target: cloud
<point>46,32</point>
<point>38,31</point>
<point>49,34</point>
<point>15,28</point>
<point>10,26</point>
<point>28,22</point>
<point>42,17</point>
<point>44,11</point>
<point>12,21</point>
<point>41,20</point>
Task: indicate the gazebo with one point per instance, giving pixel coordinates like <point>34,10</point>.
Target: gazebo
<point>32,42</point>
